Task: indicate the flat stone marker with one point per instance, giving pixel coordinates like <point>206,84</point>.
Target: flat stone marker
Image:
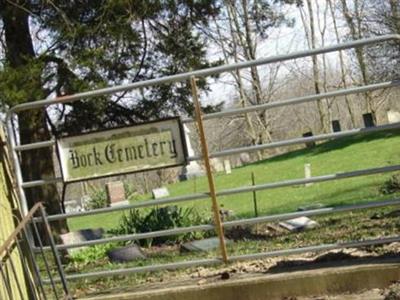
<point>116,193</point>
<point>128,253</point>
<point>311,206</point>
<point>81,236</point>
<point>298,224</point>
<point>160,193</point>
<point>202,245</point>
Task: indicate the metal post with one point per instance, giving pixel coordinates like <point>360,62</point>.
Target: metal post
<point>46,264</point>
<point>17,281</point>
<point>254,195</point>
<point>33,292</point>
<point>211,183</point>
<point>6,281</point>
<point>55,253</point>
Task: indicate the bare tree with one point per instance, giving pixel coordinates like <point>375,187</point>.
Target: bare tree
<point>341,62</point>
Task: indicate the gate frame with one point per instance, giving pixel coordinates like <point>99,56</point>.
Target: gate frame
<point>205,156</point>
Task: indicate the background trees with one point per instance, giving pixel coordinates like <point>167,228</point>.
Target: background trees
<point>63,47</point>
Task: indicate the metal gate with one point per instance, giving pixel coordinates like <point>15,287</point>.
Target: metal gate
<point>214,194</point>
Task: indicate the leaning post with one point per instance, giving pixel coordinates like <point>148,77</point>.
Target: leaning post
<point>206,158</point>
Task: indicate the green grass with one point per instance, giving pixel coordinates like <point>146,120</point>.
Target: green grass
<point>347,154</point>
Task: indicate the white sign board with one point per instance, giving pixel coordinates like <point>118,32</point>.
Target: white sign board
<point>123,150</point>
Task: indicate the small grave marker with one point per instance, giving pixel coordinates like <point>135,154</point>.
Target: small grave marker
<point>124,254</point>
<point>227,166</point>
<point>202,245</point>
<point>368,120</point>
<point>116,193</point>
<point>298,224</point>
<point>160,193</point>
<point>393,116</point>
<point>307,173</point>
<point>309,144</point>
<point>336,126</point>
<point>217,165</point>
<point>79,236</point>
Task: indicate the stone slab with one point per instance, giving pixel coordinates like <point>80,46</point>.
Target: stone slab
<point>297,224</point>
<point>125,254</point>
<point>202,245</point>
<point>81,236</point>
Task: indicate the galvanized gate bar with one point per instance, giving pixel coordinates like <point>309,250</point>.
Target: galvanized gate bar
<point>152,268</point>
<point>208,262</point>
<point>295,141</point>
<point>313,212</point>
<point>318,248</point>
<point>226,192</point>
<point>298,100</point>
<point>203,73</point>
<point>250,221</point>
<point>275,104</point>
<point>302,140</point>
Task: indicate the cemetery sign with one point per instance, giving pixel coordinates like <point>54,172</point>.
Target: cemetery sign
<point>130,149</point>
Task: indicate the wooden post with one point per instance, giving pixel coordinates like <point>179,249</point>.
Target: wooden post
<point>211,184</point>
<point>254,195</point>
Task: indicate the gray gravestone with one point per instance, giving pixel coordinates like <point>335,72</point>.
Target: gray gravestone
<point>124,254</point>
<point>202,245</point>
<point>79,236</point>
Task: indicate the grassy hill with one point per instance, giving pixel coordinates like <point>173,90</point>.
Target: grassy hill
<point>347,154</point>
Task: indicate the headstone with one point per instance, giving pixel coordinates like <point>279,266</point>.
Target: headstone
<point>124,254</point>
<point>309,144</point>
<point>227,166</point>
<point>307,173</point>
<point>336,126</point>
<point>393,116</point>
<point>298,224</point>
<point>160,193</point>
<point>116,193</point>
<point>217,165</point>
<point>85,200</point>
<point>192,169</point>
<point>72,206</point>
<point>79,236</point>
<point>202,245</point>
<point>368,120</point>
<point>245,158</point>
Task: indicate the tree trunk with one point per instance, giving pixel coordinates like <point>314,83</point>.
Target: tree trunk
<point>38,163</point>
<point>342,69</point>
<point>355,32</point>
